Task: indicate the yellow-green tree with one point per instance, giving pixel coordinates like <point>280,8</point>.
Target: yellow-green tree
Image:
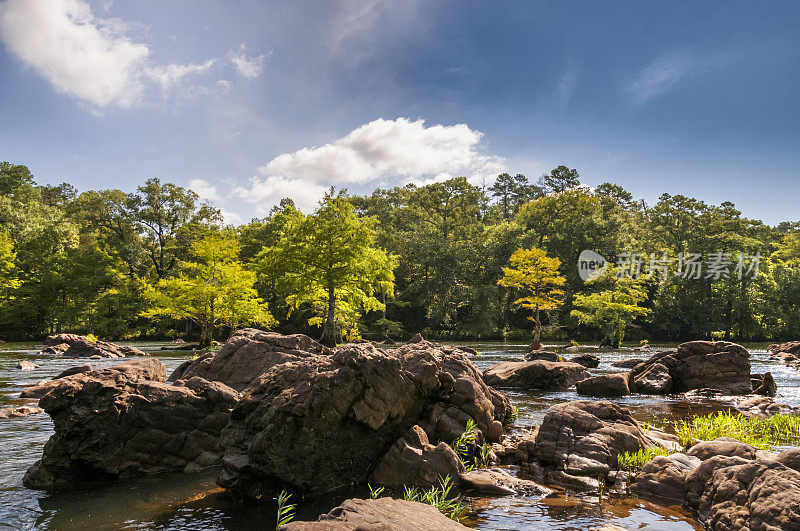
<point>212,288</point>
<point>612,309</point>
<point>536,277</point>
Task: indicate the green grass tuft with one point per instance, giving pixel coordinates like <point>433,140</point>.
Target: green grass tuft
<point>762,433</point>
<point>635,461</point>
<point>438,497</point>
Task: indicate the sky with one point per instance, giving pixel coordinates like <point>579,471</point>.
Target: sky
<point>247,102</point>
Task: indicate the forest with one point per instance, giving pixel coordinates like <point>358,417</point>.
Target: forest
<point>160,263</point>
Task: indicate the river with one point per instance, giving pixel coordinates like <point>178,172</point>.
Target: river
<point>195,502</point>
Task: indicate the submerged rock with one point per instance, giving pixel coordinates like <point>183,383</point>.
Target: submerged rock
<point>605,385</point>
<point>76,346</point>
<point>324,421</point>
<point>124,421</point>
<point>25,365</point>
<point>694,365</point>
<point>379,514</point>
<point>19,411</point>
<point>545,375</point>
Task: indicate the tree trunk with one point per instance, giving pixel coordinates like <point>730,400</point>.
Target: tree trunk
<point>205,336</point>
<point>537,336</point>
<point>329,332</point>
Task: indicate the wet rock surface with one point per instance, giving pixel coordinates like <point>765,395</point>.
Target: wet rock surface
<point>124,421</point>
<point>545,375</point>
<point>76,346</point>
<point>380,514</point>
<point>19,411</point>
<point>694,365</point>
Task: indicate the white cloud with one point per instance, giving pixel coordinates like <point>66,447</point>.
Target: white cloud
<point>660,76</point>
<point>87,57</point>
<point>265,192</point>
<point>390,149</point>
<point>204,189</point>
<point>80,55</point>
<point>249,67</point>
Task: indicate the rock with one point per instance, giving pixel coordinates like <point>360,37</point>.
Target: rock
<point>123,421</point>
<point>587,360</point>
<point>696,479</point>
<point>726,446</point>
<point>694,365</point>
<point>652,380</point>
<point>583,438</point>
<point>82,347</point>
<point>498,482</point>
<point>323,422</point>
<point>178,341</point>
<point>763,407</point>
<point>73,370</point>
<point>643,348</point>
<point>761,494</point>
<point>706,392</point>
<point>543,355</point>
<point>413,461</point>
<point>544,375</point>
<point>763,384</point>
<point>790,458</point>
<point>19,411</point>
<point>571,348</point>
<point>791,347</point>
<point>516,448</point>
<point>417,338</point>
<point>379,514</point>
<point>604,385</point>
<point>26,365</point>
<point>628,364</point>
<point>247,355</point>
<point>664,477</point>
<point>39,389</point>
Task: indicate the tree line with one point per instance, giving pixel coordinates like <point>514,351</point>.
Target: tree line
<point>160,263</point>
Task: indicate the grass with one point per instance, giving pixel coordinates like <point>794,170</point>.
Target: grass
<point>762,433</point>
<point>374,493</point>
<point>438,497</point>
<point>465,443</point>
<point>635,461</point>
<point>285,509</point>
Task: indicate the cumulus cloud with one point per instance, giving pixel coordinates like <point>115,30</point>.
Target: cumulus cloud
<point>204,189</point>
<point>267,191</point>
<point>387,150</point>
<point>248,66</point>
<point>94,59</point>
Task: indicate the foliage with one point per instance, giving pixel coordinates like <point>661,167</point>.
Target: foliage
<point>635,461</point>
<point>465,443</point>
<point>763,433</point>
<point>438,497</point>
<point>285,509</point>
<point>375,493</point>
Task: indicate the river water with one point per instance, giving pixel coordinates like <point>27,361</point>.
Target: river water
<point>195,502</point>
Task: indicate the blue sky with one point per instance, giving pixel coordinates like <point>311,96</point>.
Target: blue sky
<point>249,101</point>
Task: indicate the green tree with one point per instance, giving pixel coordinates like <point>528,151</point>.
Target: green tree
<point>329,260</point>
<point>612,309</point>
<point>536,276</point>
<point>211,289</point>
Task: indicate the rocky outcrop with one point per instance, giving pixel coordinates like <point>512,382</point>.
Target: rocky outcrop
<point>124,421</point>
<point>498,482</point>
<point>763,384</point>
<point>786,353</point>
<point>589,361</point>
<point>694,365</point>
<point>605,385</point>
<point>544,375</point>
<point>664,477</point>
<point>413,461</point>
<point>343,412</point>
<point>73,370</point>
<point>379,514</point>
<point>25,365</point>
<point>82,347</point>
<point>543,355</point>
<point>19,411</point>
<point>763,407</point>
<point>579,441</point>
<point>247,355</point>
<point>628,364</point>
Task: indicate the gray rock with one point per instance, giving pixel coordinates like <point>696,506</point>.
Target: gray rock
<point>545,375</point>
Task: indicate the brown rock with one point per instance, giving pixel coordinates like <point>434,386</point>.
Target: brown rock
<point>545,375</point>
<point>19,411</point>
<point>543,355</point>
<point>726,446</point>
<point>651,379</point>
<point>664,477</point>
<point>627,364</point>
<point>413,461</point>
<point>589,361</point>
<point>604,385</point>
<point>81,347</point>
<point>380,514</point>
<point>26,365</point>
<point>73,370</point>
<point>763,384</point>
<point>498,482</point>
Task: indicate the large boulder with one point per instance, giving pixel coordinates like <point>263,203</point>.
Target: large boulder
<point>583,439</point>
<point>590,361</point>
<point>146,368</point>
<point>379,514</point>
<point>605,385</point>
<point>82,347</point>
<point>247,355</point>
<point>664,477</point>
<point>544,375</point>
<point>628,364</point>
<point>544,355</point>
<point>325,421</point>
<point>763,384</point>
<point>413,461</point>
<point>695,365</point>
<point>124,421</point>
